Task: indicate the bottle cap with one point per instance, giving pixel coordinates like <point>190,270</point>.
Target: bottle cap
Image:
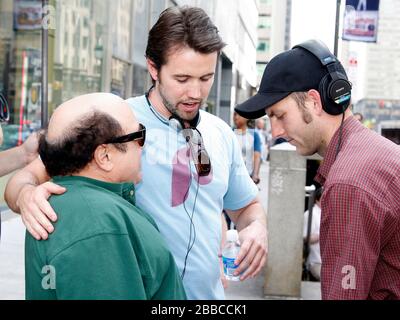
<point>232,235</point>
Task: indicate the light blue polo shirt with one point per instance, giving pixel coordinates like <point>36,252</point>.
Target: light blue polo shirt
<point>171,194</point>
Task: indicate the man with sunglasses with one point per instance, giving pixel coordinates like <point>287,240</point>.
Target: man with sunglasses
<point>104,246</point>
<point>192,164</point>
<point>194,156</point>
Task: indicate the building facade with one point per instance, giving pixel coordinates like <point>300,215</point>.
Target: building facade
<point>274,27</point>
<point>374,69</point>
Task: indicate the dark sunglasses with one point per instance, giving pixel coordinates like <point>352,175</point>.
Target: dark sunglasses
<point>200,156</point>
<point>138,136</point>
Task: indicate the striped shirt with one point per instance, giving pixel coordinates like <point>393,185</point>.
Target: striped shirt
<point>360,222</point>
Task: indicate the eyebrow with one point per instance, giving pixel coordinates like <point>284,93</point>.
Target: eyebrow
<point>189,76</point>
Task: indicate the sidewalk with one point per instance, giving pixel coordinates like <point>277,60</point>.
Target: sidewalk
<point>254,289</point>
<point>12,273</point>
<point>12,261</point>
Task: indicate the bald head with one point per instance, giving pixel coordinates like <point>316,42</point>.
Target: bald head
<point>68,115</point>
<point>82,126</point>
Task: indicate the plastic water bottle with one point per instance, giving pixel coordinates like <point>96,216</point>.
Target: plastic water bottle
<point>230,253</point>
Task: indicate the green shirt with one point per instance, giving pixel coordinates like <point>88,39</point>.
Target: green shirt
<point>103,247</point>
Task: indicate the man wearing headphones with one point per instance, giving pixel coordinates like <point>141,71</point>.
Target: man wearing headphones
<point>306,94</point>
<point>192,165</point>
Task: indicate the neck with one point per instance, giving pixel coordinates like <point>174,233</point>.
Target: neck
<point>242,128</point>
<point>158,104</point>
<point>96,175</point>
<point>332,126</point>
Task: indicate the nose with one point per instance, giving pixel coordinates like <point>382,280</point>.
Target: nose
<point>277,130</point>
<point>194,91</point>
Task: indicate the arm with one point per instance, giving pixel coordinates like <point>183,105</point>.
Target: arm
<point>314,236</point>
<point>257,164</point>
<point>251,223</point>
<point>26,194</point>
<point>245,210</point>
<point>18,157</point>
<point>223,239</point>
<point>256,158</point>
<point>350,242</point>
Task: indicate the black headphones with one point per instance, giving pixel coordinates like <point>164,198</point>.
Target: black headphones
<point>334,88</point>
<point>174,121</point>
<point>178,123</point>
<point>4,109</point>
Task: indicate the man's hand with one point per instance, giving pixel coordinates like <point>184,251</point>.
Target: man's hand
<point>30,147</point>
<point>253,251</point>
<point>222,273</point>
<point>255,178</point>
<point>36,211</point>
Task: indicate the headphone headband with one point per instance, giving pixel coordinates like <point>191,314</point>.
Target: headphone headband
<point>334,88</point>
<point>320,50</point>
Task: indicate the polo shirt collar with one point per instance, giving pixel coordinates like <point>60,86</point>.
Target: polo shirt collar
<point>124,190</point>
<point>350,125</point>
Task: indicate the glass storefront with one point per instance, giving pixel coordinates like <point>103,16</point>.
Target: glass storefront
<point>20,67</point>
<point>93,45</point>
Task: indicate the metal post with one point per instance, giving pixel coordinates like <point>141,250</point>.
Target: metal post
<point>45,60</point>
<point>338,3</point>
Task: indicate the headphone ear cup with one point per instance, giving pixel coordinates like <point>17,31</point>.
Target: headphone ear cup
<point>175,123</point>
<point>328,104</point>
<point>343,86</point>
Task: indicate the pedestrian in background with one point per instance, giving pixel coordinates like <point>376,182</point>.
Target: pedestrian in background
<point>359,117</point>
<point>262,133</point>
<point>251,146</point>
<point>313,260</point>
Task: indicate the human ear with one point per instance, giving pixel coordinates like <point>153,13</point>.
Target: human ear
<point>103,156</point>
<point>315,98</point>
<point>151,66</point>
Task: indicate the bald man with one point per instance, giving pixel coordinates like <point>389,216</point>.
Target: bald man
<point>103,246</point>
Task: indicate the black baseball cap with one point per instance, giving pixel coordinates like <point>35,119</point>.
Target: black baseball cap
<point>295,70</point>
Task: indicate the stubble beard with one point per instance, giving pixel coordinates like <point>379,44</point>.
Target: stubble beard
<point>173,108</point>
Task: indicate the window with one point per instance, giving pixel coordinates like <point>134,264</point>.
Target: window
<point>264,22</point>
<point>263,46</point>
<point>85,42</point>
<point>20,68</point>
